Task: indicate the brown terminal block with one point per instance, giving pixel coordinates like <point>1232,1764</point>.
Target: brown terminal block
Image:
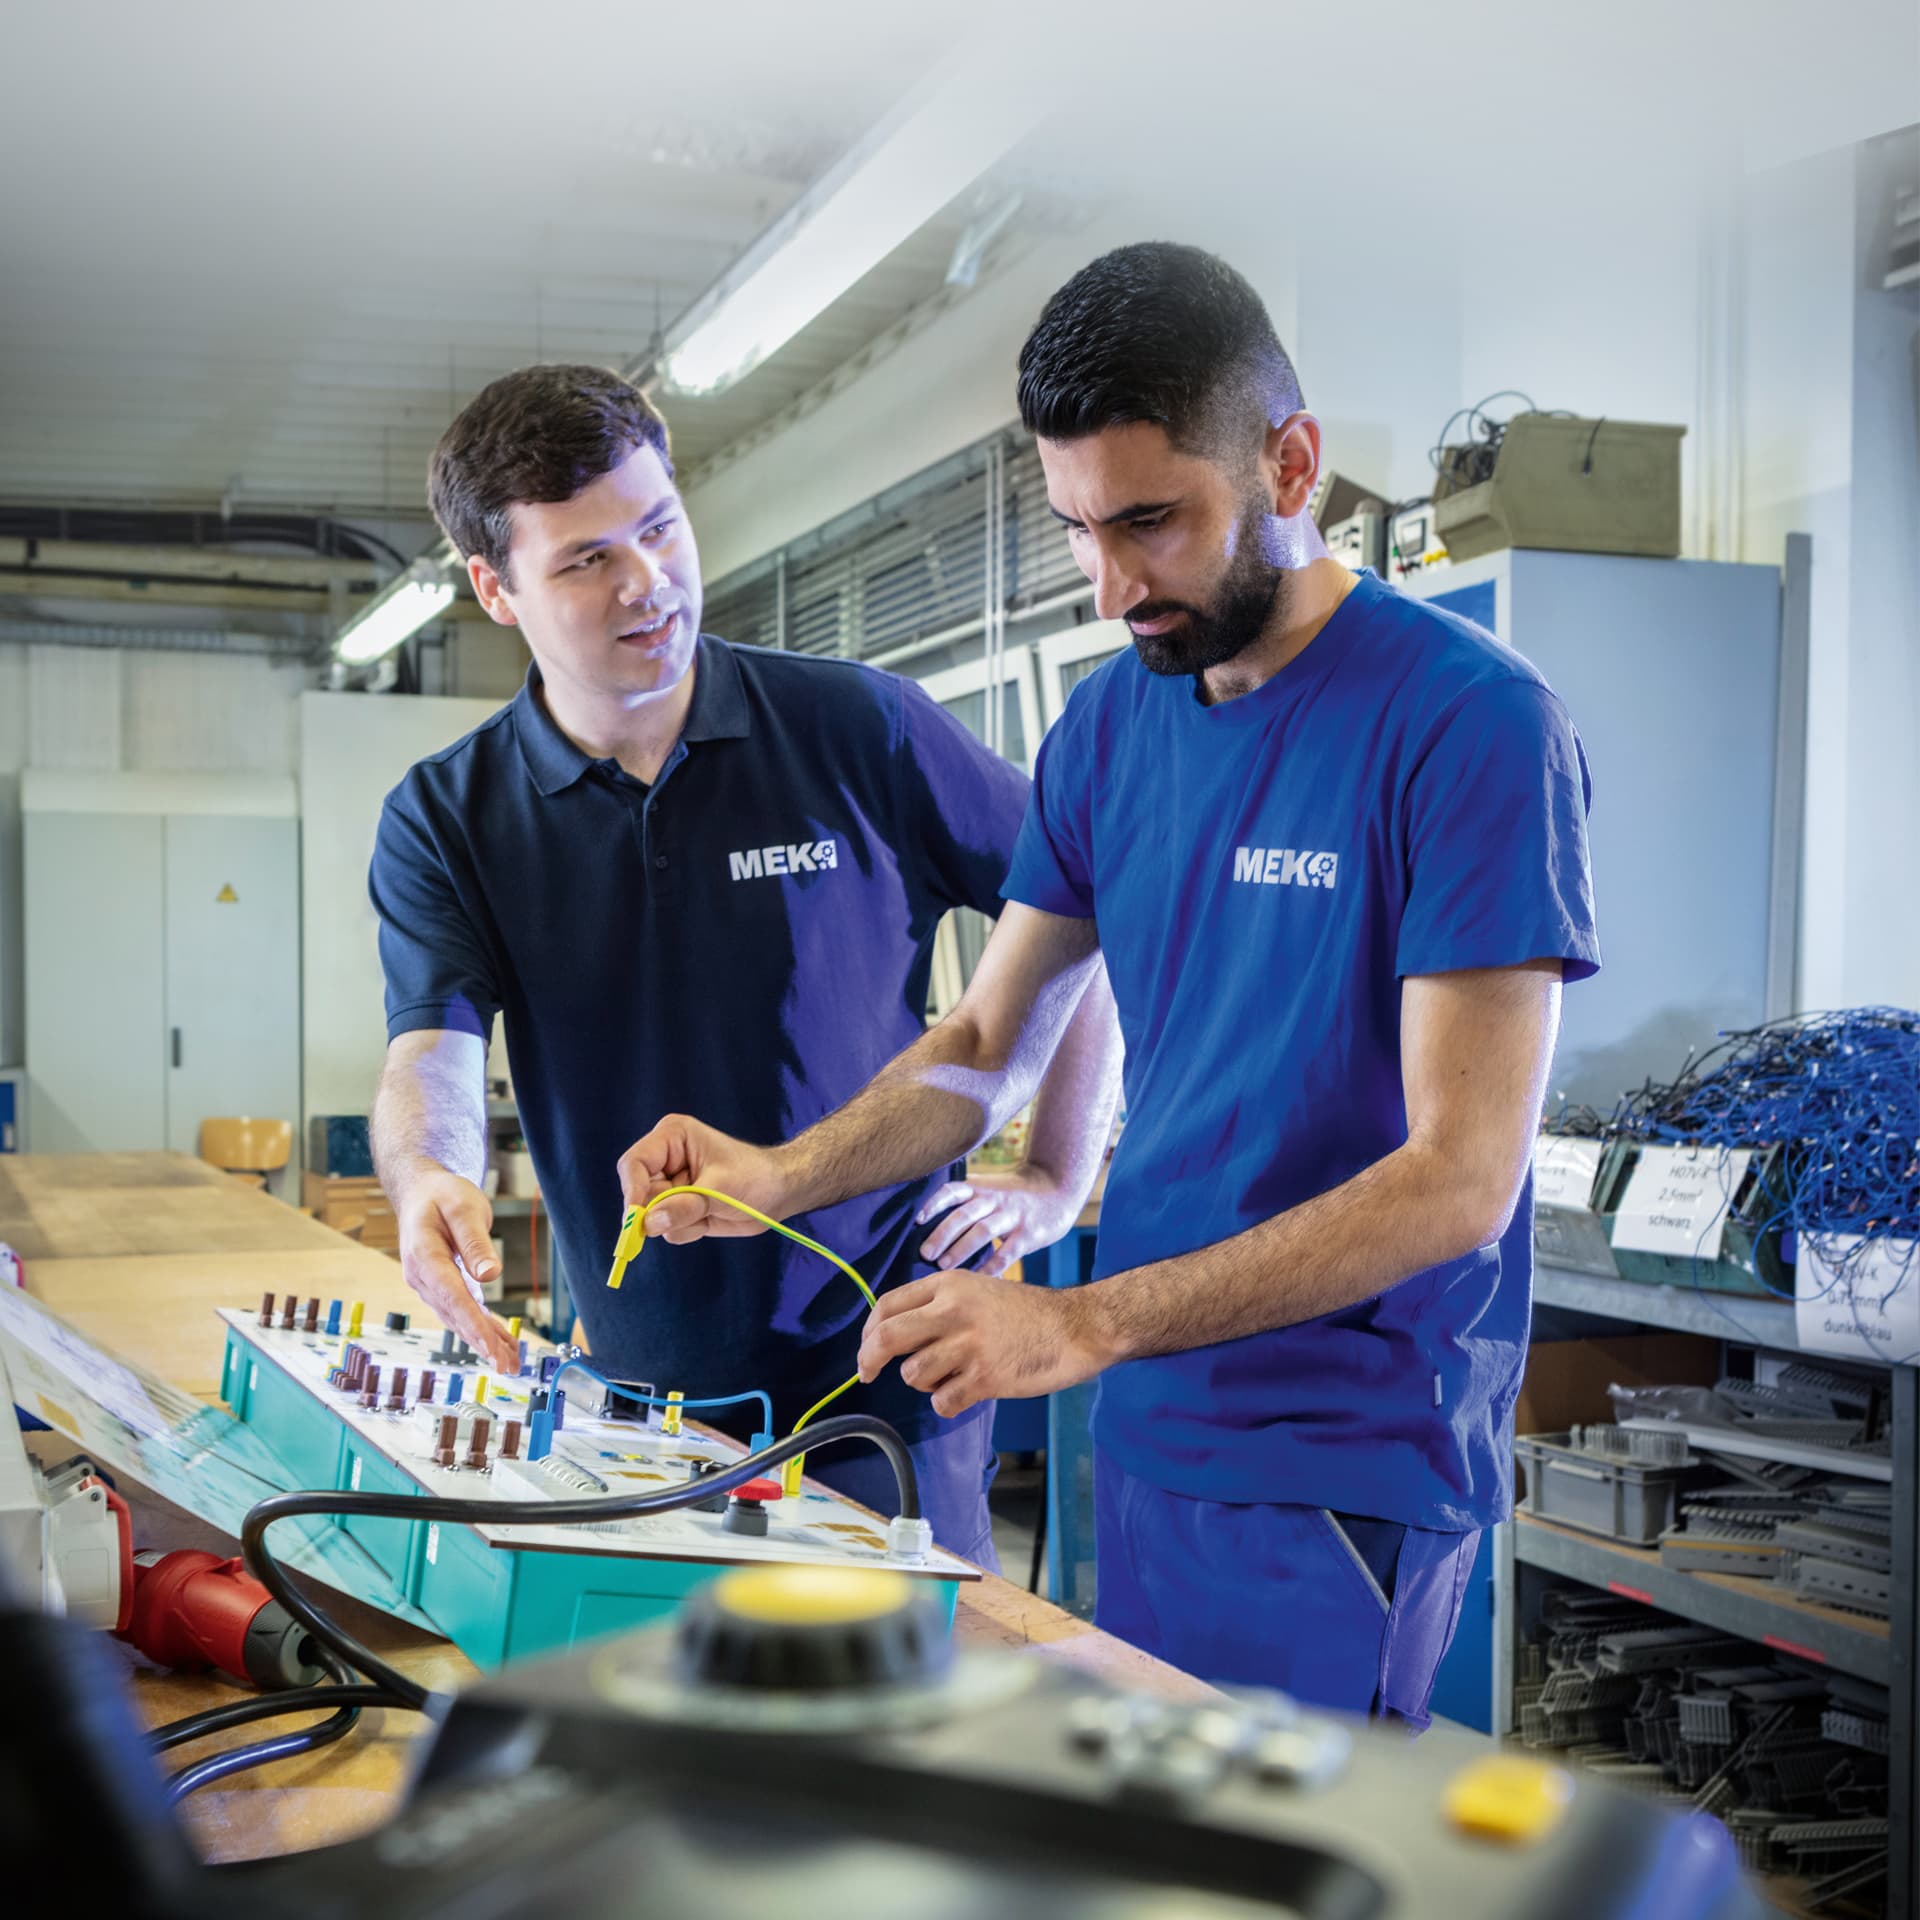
<point>266,1309</point>
<point>311,1323</point>
<point>477,1449</point>
<point>426,1388</point>
<point>397,1391</point>
<point>449,1440</point>
<point>287,1312</point>
<point>510,1440</point>
<point>370,1387</point>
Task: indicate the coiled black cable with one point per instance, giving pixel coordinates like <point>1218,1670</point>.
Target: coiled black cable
<point>283,1746</point>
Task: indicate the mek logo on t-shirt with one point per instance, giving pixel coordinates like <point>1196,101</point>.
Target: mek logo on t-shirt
<point>1284,867</point>
<point>801,856</point>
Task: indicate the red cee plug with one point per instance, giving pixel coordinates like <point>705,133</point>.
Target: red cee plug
<point>193,1610</point>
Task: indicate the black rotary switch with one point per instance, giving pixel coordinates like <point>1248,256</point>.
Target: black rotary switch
<point>811,1630</point>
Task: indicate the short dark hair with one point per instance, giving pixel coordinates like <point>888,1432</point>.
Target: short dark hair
<point>537,435</point>
<point>1161,334</point>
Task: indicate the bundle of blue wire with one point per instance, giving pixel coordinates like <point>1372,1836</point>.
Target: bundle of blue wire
<point>1839,1095</point>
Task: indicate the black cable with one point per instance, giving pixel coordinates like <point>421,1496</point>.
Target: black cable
<point>1586,465</point>
<point>519,1513</point>
<point>1039,1546</point>
<point>268,1706</point>
<point>283,1746</point>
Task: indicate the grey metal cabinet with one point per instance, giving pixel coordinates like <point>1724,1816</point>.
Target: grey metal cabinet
<point>162,975</point>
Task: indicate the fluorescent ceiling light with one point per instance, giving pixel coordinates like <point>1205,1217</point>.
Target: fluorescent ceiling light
<point>395,614</point>
<point>888,187</point>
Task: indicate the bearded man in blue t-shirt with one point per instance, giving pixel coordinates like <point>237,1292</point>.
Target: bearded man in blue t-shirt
<point>1331,843</point>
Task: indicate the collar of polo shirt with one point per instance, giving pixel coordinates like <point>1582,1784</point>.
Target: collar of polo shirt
<point>719,712</point>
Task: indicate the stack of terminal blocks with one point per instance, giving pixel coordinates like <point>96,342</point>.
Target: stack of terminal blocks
<point>405,1411</point>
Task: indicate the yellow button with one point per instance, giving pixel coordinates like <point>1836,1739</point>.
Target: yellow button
<point>1510,1798</point>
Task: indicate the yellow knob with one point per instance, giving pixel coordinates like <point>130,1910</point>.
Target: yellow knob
<point>1509,1798</point>
<point>812,1596</point>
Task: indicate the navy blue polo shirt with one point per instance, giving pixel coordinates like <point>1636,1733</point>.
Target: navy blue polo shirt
<point>749,939</point>
<point>1406,796</point>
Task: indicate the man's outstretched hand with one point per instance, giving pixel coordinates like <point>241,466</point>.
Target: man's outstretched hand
<point>680,1152</point>
<point>446,1226</point>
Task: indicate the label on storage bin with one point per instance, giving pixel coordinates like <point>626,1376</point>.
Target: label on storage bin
<point>1677,1199</point>
<point>433,1543</point>
<point>1860,1305</point>
<point>1564,1170</point>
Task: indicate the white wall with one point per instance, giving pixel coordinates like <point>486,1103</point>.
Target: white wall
<point>353,751</point>
<point>102,710</point>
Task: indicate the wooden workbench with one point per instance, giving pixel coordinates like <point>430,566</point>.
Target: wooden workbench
<point>138,1250</point>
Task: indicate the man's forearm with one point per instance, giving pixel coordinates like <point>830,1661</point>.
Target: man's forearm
<point>1407,1212</point>
<point>929,1106</point>
<point>430,1107</point>
<point>1073,1111</point>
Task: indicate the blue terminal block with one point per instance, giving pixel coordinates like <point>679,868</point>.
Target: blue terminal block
<point>524,1368</point>
<point>333,1319</point>
<point>558,1407</point>
<point>539,1434</point>
<point>456,1386</point>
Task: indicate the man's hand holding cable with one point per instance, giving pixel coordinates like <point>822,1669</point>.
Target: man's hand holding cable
<point>680,1152</point>
<point>965,1337</point>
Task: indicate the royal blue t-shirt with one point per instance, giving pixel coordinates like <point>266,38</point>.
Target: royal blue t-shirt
<point>748,939</point>
<point>1406,796</point>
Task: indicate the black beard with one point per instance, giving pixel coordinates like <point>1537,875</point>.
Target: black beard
<point>1241,609</point>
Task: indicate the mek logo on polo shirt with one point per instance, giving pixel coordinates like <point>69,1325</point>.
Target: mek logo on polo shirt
<point>800,856</point>
<point>1284,867</point>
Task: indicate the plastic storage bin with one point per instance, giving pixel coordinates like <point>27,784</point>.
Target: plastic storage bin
<point>1618,1498</point>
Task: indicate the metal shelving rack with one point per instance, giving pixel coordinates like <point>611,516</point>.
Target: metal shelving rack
<point>1846,1643</point>
<point>513,1207</point>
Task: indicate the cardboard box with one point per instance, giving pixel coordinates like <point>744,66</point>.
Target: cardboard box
<point>1566,1380</point>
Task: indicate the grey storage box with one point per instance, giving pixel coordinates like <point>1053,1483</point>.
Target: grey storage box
<point>1618,1498</point>
<point>1578,486</point>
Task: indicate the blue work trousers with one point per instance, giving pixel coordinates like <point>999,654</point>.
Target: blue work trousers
<point>1339,1612</point>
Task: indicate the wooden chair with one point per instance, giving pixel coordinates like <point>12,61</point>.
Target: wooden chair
<point>248,1149</point>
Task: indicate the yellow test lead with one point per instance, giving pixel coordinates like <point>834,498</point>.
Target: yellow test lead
<point>633,1230</point>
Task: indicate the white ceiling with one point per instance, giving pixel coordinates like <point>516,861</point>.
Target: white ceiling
<point>271,260</point>
<point>267,253</point>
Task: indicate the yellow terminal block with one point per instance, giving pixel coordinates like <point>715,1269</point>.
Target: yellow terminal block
<point>670,1419</point>
<point>513,1328</point>
<point>1509,1798</point>
<point>354,1316</point>
<point>480,1391</point>
<point>790,1475</point>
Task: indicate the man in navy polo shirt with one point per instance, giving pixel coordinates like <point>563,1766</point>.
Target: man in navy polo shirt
<point>687,873</point>
<point>1332,843</point>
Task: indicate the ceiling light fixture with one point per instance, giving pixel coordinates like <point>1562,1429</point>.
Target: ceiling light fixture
<point>394,614</point>
<point>876,196</point>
